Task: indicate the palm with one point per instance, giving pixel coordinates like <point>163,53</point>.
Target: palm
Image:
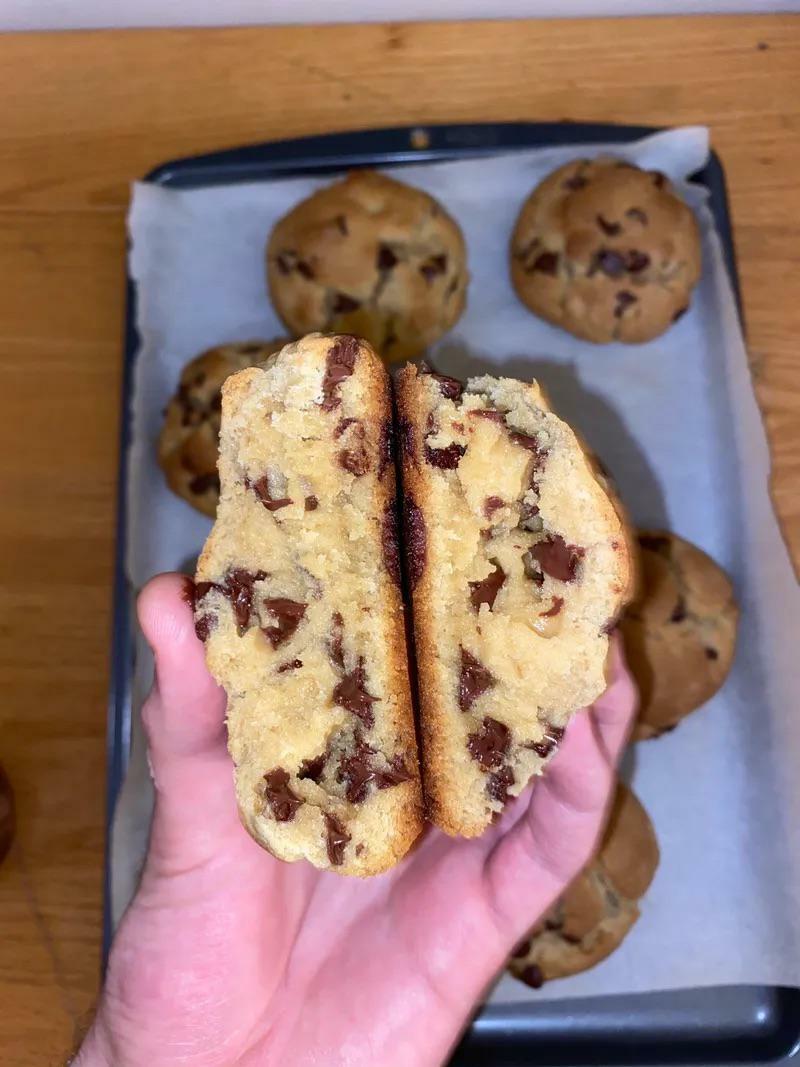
<point>230,957</point>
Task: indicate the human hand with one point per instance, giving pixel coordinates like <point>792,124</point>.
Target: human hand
<point>228,957</point>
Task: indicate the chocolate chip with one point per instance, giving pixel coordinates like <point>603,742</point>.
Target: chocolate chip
<point>342,303</point>
<point>311,503</point>
<point>337,838</point>
<point>395,773</point>
<point>337,640</point>
<point>492,504</point>
<point>680,313</point>
<point>288,613</point>
<point>203,482</point>
<point>485,591</point>
<point>554,609</point>
<point>446,459</point>
<point>575,182</point>
<point>389,543</point>
<point>473,680</point>
<point>339,365</point>
<point>354,460</point>
<point>489,414</point>
<point>636,262</point>
<point>545,263</point>
<point>433,266</point>
<point>351,693</point>
<point>262,491</point>
<point>532,568</point>
<point>553,736</point>
<point>532,444</point>
<point>655,543</point>
<point>238,588</point>
<point>498,784</point>
<point>341,225</point>
<point>415,540</point>
<point>529,518</point>
<point>659,179</point>
<point>624,300</point>
<point>679,611</point>
<point>450,388</point>
<point>611,229</point>
<point>306,270</point>
<point>711,653</point>
<point>386,258</point>
<point>385,447</point>
<point>557,558</point>
<point>489,745</point>
<point>204,625</point>
<point>312,769</point>
<point>522,949</point>
<point>344,424</point>
<point>532,975</point>
<point>637,214</point>
<point>282,801</point>
<point>290,665</point>
<point>355,771</point>
<point>285,262</point>
<point>611,263</point>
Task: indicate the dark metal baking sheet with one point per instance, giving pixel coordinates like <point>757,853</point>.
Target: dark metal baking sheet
<point>726,1025</point>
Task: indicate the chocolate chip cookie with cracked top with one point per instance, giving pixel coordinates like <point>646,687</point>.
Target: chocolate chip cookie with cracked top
<point>607,251</point>
<point>679,632</point>
<point>188,444</point>
<point>371,256</point>
<point>297,600</point>
<point>518,560</point>
<point>599,908</point>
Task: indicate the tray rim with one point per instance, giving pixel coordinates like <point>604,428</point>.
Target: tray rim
<point>498,1031</point>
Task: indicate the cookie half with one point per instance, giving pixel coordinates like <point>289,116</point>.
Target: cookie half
<point>518,563</point>
<point>679,631</point>
<point>297,599</point>
<point>595,914</point>
<point>189,441</point>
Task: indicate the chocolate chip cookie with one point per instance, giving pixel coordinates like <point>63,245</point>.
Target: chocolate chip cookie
<point>679,632</point>
<point>518,562</point>
<point>370,256</point>
<point>595,914</point>
<point>607,251</point>
<point>188,445</point>
<point>297,599</point>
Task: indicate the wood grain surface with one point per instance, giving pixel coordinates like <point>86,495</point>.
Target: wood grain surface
<point>85,113</point>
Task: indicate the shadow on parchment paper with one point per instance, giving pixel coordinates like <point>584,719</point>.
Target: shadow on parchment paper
<point>599,423</point>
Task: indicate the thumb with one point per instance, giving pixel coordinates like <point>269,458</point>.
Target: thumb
<point>184,720</point>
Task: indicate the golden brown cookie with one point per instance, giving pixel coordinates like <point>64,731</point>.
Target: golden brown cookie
<point>607,251</point>
<point>517,559</point>
<point>594,915</point>
<point>679,632</point>
<point>298,601</point>
<point>370,256</point>
<point>188,444</point>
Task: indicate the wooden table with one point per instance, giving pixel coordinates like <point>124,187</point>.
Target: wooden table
<point>82,115</point>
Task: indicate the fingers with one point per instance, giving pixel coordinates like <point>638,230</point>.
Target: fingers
<point>615,710</point>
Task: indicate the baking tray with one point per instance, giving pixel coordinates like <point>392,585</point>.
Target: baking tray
<point>731,1024</point>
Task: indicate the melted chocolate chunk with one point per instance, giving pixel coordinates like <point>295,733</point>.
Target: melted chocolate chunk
<point>446,459</point>
<point>637,214</point>
<point>313,769</point>
<point>624,300</point>
<point>522,949</point>
<point>386,258</point>
<point>261,489</point>
<point>203,482</point>
<point>485,591</point>
<point>554,609</point>
<point>532,444</point>
<point>611,229</point>
<point>492,504</point>
<point>532,975</point>
<point>342,303</point>
<point>306,270</point>
<point>711,653</point>
<point>339,365</point>
<point>415,540</point>
<point>490,414</point>
<point>351,693</point>
<point>290,665</point>
<point>336,839</point>
<point>450,388</point>
<point>311,503</point>
<point>354,460</point>
<point>557,558</point>
<point>337,640</point>
<point>204,625</point>
<point>611,263</point>
<point>238,588</point>
<point>490,744</point>
<point>545,263</point>
<point>355,771</point>
<point>553,736</point>
<point>433,266</point>
<point>636,262</point>
<point>390,544</point>
<point>288,613</point>
<point>395,773</point>
<point>473,680</point>
<point>189,591</point>
<point>499,783</point>
<point>285,262</point>
<point>679,611</point>
<point>282,801</point>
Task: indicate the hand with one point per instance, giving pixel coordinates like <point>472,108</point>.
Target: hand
<point>228,957</point>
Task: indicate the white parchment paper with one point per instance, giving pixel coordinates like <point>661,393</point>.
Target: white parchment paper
<point>676,423</point>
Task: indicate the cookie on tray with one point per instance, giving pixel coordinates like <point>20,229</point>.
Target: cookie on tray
<point>371,256</point>
<point>188,444</point>
<point>679,632</point>
<point>297,599</point>
<point>595,914</point>
<point>607,251</point>
<point>518,563</point>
